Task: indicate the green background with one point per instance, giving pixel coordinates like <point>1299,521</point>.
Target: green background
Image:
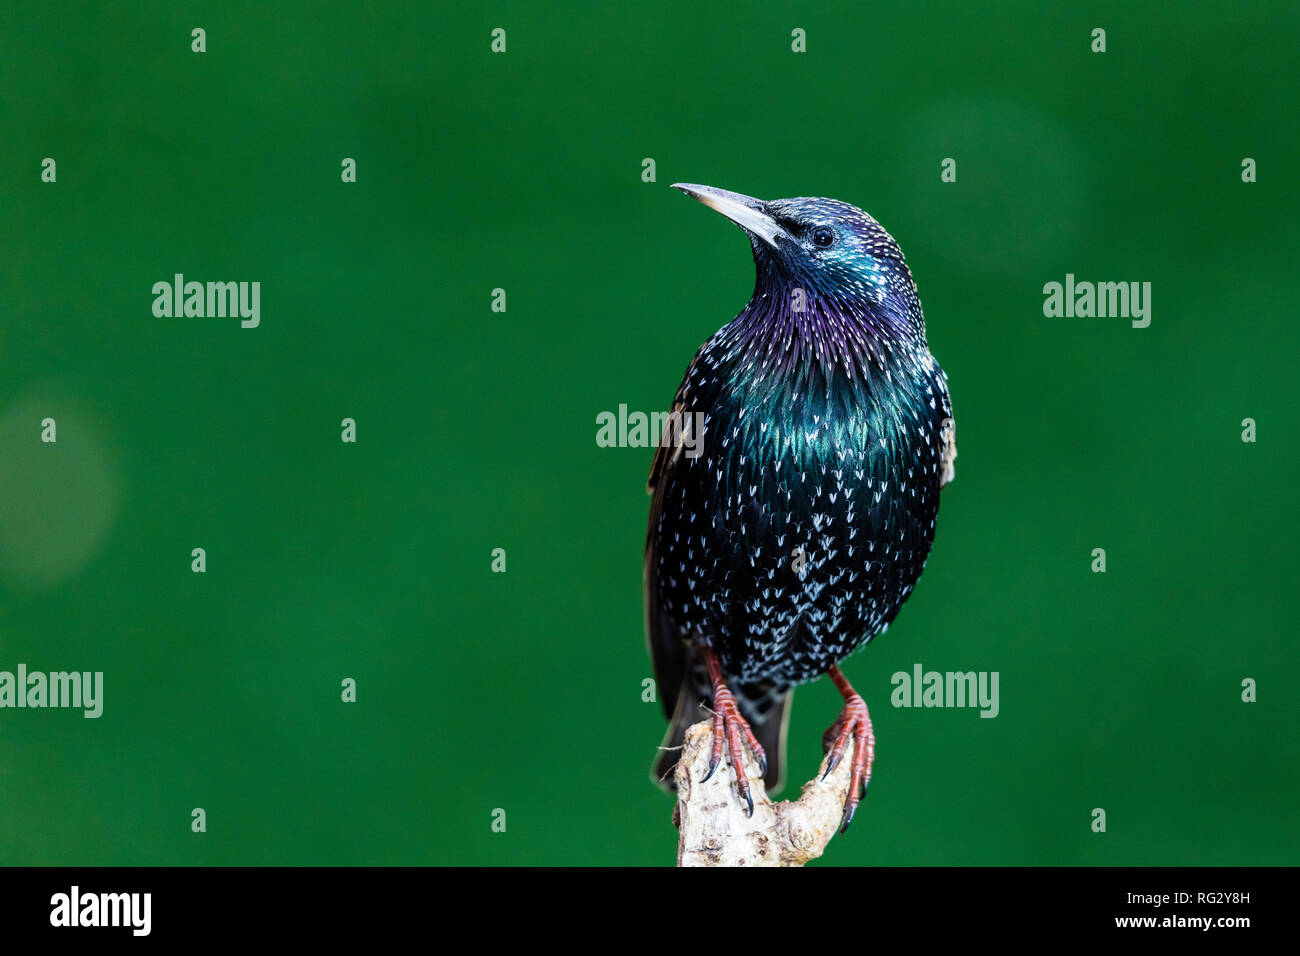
<point>476,429</point>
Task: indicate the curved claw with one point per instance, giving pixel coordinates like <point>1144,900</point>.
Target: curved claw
<point>854,723</point>
<point>832,763</point>
<point>730,726</point>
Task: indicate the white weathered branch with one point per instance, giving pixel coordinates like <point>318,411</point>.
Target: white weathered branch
<point>710,815</point>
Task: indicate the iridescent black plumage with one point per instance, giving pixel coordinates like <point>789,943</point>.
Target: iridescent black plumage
<point>827,435</point>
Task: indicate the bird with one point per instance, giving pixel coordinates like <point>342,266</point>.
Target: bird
<point>821,432</point>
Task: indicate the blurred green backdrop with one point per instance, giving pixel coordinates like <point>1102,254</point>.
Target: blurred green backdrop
<point>476,430</point>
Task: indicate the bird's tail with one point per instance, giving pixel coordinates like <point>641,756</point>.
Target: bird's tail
<point>768,721</point>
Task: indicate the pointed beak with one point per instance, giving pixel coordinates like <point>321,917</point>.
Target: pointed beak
<point>747,212</point>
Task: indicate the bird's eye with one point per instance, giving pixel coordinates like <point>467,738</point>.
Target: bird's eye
<point>823,236</point>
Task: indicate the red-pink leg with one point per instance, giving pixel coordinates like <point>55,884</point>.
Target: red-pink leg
<point>729,724</point>
<point>854,721</point>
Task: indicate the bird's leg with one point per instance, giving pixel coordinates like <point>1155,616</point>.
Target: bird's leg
<point>728,723</point>
<point>853,721</point>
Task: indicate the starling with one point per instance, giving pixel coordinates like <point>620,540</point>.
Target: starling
<point>822,432</point>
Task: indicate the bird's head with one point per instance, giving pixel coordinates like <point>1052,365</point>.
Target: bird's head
<point>832,251</point>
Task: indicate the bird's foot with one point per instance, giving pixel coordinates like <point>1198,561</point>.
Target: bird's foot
<point>854,722</point>
<point>731,726</point>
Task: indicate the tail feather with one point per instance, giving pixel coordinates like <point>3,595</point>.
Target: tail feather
<point>690,710</point>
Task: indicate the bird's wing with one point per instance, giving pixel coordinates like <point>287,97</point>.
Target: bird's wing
<point>948,431</point>
<point>667,650</point>
<point>948,471</point>
<point>666,454</point>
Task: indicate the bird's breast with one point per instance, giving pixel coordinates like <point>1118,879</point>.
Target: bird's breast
<point>796,534</point>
